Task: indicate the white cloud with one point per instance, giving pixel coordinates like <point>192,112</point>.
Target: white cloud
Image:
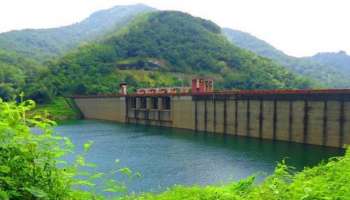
<point>298,27</point>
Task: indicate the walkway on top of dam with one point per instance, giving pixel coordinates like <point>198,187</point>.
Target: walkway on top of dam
<point>313,92</point>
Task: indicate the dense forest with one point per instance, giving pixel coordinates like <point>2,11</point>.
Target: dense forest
<point>43,44</point>
<point>329,69</point>
<point>18,74</point>
<point>156,49</point>
<point>339,60</point>
<point>173,44</point>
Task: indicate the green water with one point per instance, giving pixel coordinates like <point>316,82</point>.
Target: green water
<point>166,157</point>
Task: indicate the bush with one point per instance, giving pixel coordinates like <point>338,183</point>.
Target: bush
<point>31,165</point>
<point>28,161</point>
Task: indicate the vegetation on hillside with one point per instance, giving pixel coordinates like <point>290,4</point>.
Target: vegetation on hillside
<point>329,69</point>
<point>339,61</point>
<point>59,109</point>
<point>156,49</point>
<point>18,74</point>
<point>43,44</point>
<point>170,44</point>
<point>30,168</point>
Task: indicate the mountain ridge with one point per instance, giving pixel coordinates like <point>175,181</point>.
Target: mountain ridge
<point>43,44</point>
<point>340,60</point>
<point>324,72</point>
<point>155,38</point>
<point>151,49</point>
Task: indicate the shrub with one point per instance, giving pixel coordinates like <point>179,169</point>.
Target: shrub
<point>29,161</point>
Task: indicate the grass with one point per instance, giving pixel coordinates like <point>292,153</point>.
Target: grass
<point>58,110</point>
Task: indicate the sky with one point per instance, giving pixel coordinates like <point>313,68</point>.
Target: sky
<point>297,27</point>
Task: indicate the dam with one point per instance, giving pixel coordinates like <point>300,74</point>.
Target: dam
<point>317,117</point>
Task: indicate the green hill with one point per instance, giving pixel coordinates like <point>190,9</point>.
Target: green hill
<point>339,60</point>
<point>43,44</point>
<point>326,71</point>
<point>167,48</point>
<point>18,74</point>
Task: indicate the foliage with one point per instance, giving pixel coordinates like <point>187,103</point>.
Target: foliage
<point>156,49</point>
<point>167,43</point>
<point>24,54</point>
<point>31,165</point>
<point>59,109</point>
<point>329,69</point>
<point>18,74</point>
<point>339,61</point>
<point>43,44</point>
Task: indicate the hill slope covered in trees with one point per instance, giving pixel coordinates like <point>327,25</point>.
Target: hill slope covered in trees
<point>18,74</point>
<point>339,60</point>
<point>325,71</point>
<point>167,48</point>
<point>43,44</point>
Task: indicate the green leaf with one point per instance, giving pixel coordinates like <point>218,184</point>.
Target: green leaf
<point>37,192</point>
<point>84,183</point>
<point>4,195</point>
<point>80,160</point>
<point>97,175</point>
<point>88,145</point>
<point>125,171</point>
<point>4,169</point>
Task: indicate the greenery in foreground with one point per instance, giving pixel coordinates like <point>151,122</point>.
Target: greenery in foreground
<point>31,168</point>
<point>32,165</point>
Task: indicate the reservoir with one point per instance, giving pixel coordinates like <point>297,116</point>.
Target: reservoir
<point>166,157</point>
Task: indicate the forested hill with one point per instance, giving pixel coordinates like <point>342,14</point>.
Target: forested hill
<point>42,44</point>
<point>328,69</point>
<point>339,60</point>
<point>167,48</point>
<point>18,74</point>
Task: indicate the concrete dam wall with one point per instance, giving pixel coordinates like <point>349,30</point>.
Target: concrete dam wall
<point>317,117</point>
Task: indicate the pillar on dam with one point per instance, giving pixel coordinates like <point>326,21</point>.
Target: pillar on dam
<point>183,112</point>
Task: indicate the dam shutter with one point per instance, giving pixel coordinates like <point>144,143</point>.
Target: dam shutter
<point>166,103</point>
<point>143,102</point>
<point>133,102</point>
<point>154,102</point>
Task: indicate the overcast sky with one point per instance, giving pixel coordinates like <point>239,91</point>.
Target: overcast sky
<point>298,27</point>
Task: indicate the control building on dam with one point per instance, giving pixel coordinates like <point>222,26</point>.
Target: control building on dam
<point>318,117</point>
